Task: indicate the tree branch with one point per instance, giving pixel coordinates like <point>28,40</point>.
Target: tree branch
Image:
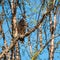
<point>26,34</point>
<point>41,49</point>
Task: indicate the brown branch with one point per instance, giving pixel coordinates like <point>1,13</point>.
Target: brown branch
<point>28,33</point>
<point>9,48</point>
<point>39,23</point>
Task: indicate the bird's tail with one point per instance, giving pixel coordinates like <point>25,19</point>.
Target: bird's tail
<point>22,40</point>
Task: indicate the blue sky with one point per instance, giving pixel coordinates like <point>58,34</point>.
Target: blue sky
<point>32,12</point>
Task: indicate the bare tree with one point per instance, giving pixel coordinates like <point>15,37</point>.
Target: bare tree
<point>18,30</point>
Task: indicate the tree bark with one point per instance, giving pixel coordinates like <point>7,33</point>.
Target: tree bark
<point>14,31</point>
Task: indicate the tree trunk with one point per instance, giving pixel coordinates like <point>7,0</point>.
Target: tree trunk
<point>14,31</point>
<point>52,29</point>
<point>40,36</point>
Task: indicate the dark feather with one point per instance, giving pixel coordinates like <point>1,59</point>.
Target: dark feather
<point>21,40</point>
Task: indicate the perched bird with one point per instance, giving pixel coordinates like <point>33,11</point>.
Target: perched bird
<point>22,25</point>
